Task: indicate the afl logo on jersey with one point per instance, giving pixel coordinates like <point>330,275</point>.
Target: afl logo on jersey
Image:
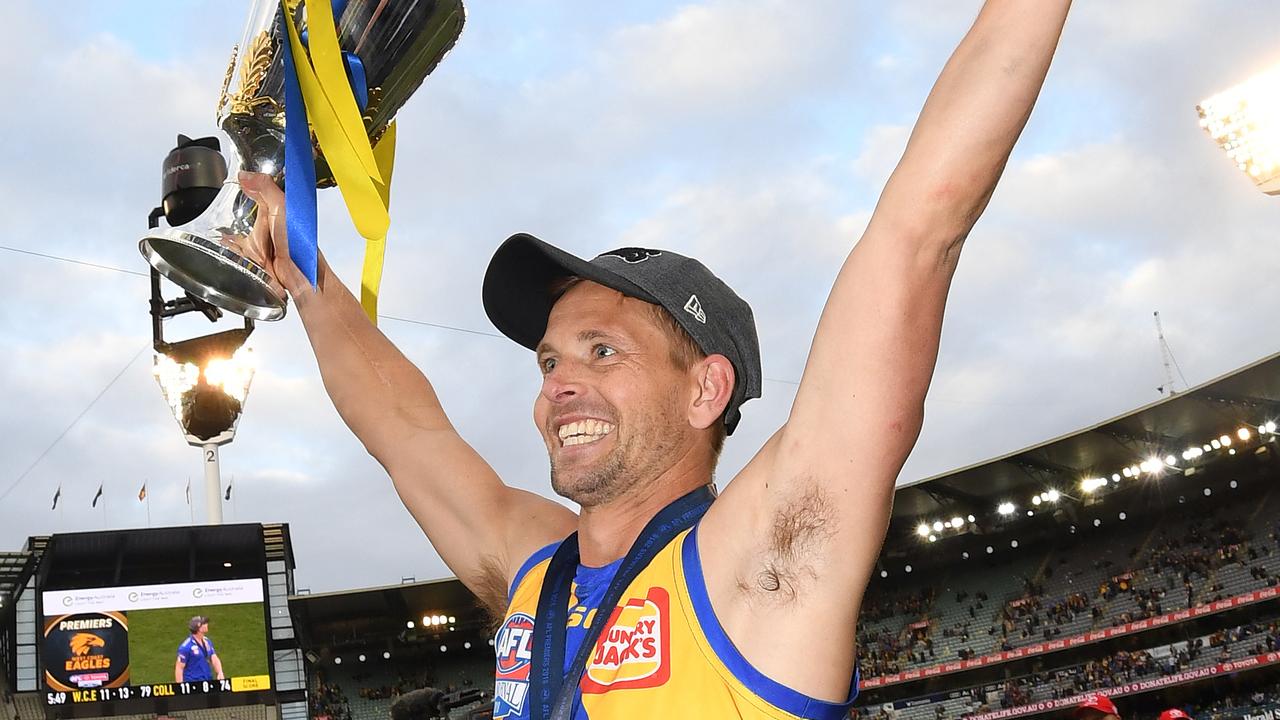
<point>512,645</point>
<point>511,682</point>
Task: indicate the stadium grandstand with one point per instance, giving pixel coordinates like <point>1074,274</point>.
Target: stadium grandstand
<point>1139,557</point>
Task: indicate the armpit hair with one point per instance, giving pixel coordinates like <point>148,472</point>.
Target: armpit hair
<point>799,531</point>
<point>490,588</point>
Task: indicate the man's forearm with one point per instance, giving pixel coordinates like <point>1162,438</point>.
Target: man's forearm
<point>973,116</point>
<point>369,380</point>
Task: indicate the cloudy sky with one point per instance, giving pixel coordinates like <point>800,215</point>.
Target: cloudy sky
<point>753,134</point>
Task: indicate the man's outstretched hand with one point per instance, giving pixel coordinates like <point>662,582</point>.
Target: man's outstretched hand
<point>268,244</point>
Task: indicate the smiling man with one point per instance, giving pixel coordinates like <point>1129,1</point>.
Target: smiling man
<point>653,600</point>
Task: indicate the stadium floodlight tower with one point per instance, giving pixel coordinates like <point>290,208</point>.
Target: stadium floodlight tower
<point>1245,122</point>
<point>205,381</point>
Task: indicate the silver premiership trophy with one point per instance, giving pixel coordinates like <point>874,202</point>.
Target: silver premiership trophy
<point>397,43</point>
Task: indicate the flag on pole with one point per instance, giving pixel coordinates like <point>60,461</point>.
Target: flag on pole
<point>95,497</point>
<point>188,491</point>
<point>55,498</point>
<point>142,494</point>
<point>227,497</point>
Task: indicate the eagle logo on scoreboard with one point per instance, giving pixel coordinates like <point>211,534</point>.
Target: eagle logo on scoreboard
<point>511,682</point>
<point>86,650</point>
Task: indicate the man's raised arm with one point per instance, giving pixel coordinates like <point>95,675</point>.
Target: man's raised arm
<point>796,535</point>
<point>482,529</point>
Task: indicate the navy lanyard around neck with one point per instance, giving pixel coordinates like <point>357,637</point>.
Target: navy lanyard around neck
<point>551,689</point>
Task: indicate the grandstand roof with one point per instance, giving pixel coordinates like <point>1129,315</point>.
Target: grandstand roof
<point>384,611</point>
<point>1247,396</point>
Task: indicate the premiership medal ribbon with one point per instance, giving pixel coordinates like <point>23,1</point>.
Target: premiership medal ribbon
<point>327,105</point>
<point>551,690</point>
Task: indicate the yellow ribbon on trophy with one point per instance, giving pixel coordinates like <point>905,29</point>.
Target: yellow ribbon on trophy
<point>362,171</point>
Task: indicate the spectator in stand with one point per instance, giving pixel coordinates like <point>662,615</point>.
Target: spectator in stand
<point>1175,714</point>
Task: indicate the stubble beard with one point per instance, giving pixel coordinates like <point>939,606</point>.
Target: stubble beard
<point>631,465</point>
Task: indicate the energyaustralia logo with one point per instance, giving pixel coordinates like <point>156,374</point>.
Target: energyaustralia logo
<point>513,656</point>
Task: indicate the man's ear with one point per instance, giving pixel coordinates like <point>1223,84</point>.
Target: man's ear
<point>715,379</point>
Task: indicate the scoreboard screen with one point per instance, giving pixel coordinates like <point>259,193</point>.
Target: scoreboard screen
<point>155,642</point>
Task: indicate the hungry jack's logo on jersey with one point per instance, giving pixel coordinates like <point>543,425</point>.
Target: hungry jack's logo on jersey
<point>634,649</point>
<point>512,647</point>
<point>86,650</point>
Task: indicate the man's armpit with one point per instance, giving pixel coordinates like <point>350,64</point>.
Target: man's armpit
<point>799,535</point>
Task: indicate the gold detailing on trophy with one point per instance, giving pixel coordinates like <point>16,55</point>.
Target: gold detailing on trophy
<point>253,71</point>
<point>226,81</point>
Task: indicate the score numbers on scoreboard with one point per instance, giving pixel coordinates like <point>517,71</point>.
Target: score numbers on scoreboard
<point>159,690</point>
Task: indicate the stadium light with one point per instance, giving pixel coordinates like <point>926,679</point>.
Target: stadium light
<point>1270,426</point>
<point>337,661</point>
<point>1245,122</point>
<point>1036,500</point>
<point>1244,434</point>
<point>922,530</point>
<point>205,381</point>
<point>466,645</point>
<point>957,522</point>
<point>937,526</point>
<point>972,519</point>
<point>362,657</point>
<point>444,648</point>
<point>452,620</point>
<point>1053,495</point>
<point>386,654</point>
<point>933,538</point>
<point>1089,485</point>
<point>1006,508</point>
<point>409,624</point>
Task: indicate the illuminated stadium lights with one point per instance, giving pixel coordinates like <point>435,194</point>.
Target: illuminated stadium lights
<point>362,657</point>
<point>1089,485</point>
<point>1035,500</point>
<point>922,529</point>
<point>1233,484</point>
<point>1031,513</point>
<point>1013,544</point>
<point>990,549</point>
<point>409,624</point>
<point>1244,434</point>
<point>933,538</point>
<point>1097,522</point>
<point>1127,472</point>
<point>937,526</point>
<point>386,654</point>
<point>883,574</point>
<point>1123,516</point>
<point>1216,445</point>
<point>1245,122</point>
<point>1270,426</point>
<point>452,620</point>
<point>1225,440</point>
<point>426,620</point>
<point>972,519</point>
<point>444,648</point>
<point>1052,495</point>
<point>1207,492</point>
<point>1170,460</point>
<point>907,568</point>
<point>964,555</point>
<point>466,645</point>
<point>1115,478</point>
<point>957,522</point>
<point>1006,508</point>
<point>337,661</point>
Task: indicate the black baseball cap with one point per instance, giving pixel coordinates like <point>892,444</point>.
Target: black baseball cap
<point>518,297</point>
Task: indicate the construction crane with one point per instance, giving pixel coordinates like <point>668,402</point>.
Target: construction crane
<point>1166,356</point>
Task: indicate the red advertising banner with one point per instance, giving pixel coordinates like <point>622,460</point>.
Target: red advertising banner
<point>1133,688</point>
<point>1090,637</point>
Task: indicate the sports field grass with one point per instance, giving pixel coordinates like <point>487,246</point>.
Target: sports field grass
<point>238,632</point>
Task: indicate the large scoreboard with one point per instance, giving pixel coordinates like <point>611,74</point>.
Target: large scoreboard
<point>143,621</point>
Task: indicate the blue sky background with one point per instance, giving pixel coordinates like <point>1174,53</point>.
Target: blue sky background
<point>754,134</point>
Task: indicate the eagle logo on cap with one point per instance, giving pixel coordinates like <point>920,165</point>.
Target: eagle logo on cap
<point>632,255</point>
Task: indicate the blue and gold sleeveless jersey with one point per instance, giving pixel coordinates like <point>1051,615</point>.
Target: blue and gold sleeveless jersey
<point>662,653</point>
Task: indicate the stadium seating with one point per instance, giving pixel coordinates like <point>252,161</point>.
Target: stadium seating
<point>1068,590</point>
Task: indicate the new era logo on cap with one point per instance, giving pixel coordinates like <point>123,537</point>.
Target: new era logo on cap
<point>694,308</point>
